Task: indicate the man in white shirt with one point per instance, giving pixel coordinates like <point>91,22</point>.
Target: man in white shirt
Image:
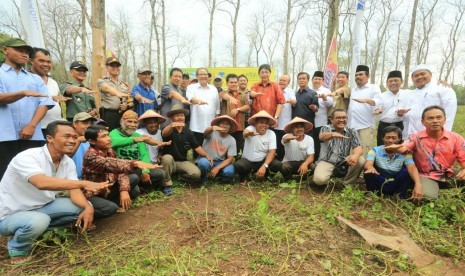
<point>325,101</point>
<point>28,205</point>
<point>286,113</point>
<point>152,121</point>
<point>392,101</point>
<point>206,104</point>
<point>426,94</point>
<point>364,99</point>
<point>259,148</point>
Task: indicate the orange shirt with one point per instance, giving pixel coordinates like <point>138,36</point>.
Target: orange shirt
<point>272,96</point>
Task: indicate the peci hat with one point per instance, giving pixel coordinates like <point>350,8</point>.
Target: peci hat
<point>234,125</point>
<point>18,42</point>
<point>83,116</point>
<point>143,70</point>
<point>263,114</point>
<point>318,74</point>
<point>152,114</point>
<point>129,114</point>
<point>394,74</point>
<point>77,65</point>
<point>176,109</point>
<point>111,60</point>
<point>307,125</point>
<point>363,68</point>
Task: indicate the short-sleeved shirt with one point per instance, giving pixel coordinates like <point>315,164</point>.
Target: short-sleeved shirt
<point>226,107</point>
<point>435,158</point>
<point>202,115</point>
<point>54,113</point>
<point>78,157</point>
<point>336,150</point>
<point>257,147</point>
<point>181,142</point>
<point>341,101</point>
<point>80,102</point>
<point>110,101</point>
<point>139,107</point>
<point>166,102</point>
<point>272,96</point>
<point>298,150</point>
<point>17,194</point>
<point>305,98</point>
<point>286,112</point>
<point>153,150</point>
<point>219,148</point>
<point>15,116</point>
<point>388,167</point>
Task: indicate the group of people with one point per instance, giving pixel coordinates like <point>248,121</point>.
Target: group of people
<point>92,162</point>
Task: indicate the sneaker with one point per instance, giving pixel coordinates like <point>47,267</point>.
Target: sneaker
<point>168,191</point>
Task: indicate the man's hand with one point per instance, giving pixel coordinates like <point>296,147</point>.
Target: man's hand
<point>145,100</point>
<point>217,128</point>
<point>30,93</point>
<point>254,94</point>
<point>209,158</point>
<point>60,99</point>
<point>377,111</point>
<point>146,166</point>
<point>200,102</point>
<point>87,91</point>
<point>124,200</point>
<point>177,124</point>
<point>338,135</point>
<point>85,219</point>
<point>214,172</point>
<point>95,187</point>
<point>248,133</point>
<point>123,106</point>
<point>351,160</point>
<point>143,138</point>
<point>417,192</point>
<point>27,132</point>
<point>233,112</point>
<point>444,83</point>
<point>393,147</point>
<point>460,175</point>
<point>162,144</point>
<point>303,169</point>
<point>402,111</point>
<point>186,102</point>
<point>145,178</point>
<point>323,97</point>
<point>121,94</point>
<point>290,137</point>
<point>371,170</point>
<point>313,108</point>
<point>261,172</point>
<point>232,100</point>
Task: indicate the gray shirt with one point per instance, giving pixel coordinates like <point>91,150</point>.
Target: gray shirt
<point>166,102</point>
<point>218,147</point>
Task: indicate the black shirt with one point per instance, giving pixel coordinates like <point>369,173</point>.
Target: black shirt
<point>301,108</point>
<point>181,142</point>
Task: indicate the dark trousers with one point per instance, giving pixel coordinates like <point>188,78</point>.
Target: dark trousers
<point>9,149</point>
<point>381,126</point>
<point>244,167</point>
<point>397,185</point>
<point>199,137</point>
<point>111,117</point>
<point>316,141</point>
<point>291,167</point>
<point>157,177</point>
<point>239,137</point>
<point>279,146</point>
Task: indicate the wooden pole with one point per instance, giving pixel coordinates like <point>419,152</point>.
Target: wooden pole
<point>97,23</point>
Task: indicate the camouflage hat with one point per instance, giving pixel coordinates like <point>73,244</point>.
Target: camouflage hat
<point>18,42</point>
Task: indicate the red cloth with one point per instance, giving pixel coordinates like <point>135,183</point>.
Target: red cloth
<point>272,96</point>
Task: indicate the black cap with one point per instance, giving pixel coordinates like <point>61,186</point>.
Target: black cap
<point>318,74</point>
<point>185,76</point>
<point>77,65</point>
<point>395,74</point>
<point>362,68</point>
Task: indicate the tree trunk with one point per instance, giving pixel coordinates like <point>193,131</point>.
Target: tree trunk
<point>410,44</point>
<point>98,44</point>
<point>163,35</point>
<point>333,22</point>
<point>210,34</point>
<point>234,50</point>
<point>286,41</point>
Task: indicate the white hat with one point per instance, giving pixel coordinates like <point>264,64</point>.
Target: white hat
<point>421,67</point>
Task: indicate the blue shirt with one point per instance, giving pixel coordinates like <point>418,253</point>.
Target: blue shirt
<point>139,107</point>
<point>388,167</point>
<point>78,157</point>
<point>15,116</point>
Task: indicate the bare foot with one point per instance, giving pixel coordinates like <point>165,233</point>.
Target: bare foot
<point>19,260</point>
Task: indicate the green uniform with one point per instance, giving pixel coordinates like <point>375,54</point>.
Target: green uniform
<point>81,102</point>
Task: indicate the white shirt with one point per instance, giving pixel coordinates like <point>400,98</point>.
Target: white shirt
<point>286,113</point>
<point>202,115</point>
<point>153,150</point>
<point>54,113</point>
<point>419,99</point>
<point>298,150</point>
<point>17,194</point>
<point>361,114</point>
<point>390,104</point>
<point>257,147</point>
<point>321,116</point>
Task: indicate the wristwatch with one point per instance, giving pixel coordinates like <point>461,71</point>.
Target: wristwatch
<point>238,110</point>
<point>265,165</point>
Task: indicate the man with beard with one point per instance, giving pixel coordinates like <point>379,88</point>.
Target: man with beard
<point>389,172</point>
<point>174,159</point>
<point>130,145</point>
<point>299,148</point>
<point>221,147</point>
<point>259,148</point>
<point>23,100</point>
<point>171,94</point>
<point>152,120</point>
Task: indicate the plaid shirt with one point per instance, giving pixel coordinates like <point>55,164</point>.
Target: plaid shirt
<point>99,166</point>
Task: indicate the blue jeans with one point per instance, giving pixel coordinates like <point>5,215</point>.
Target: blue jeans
<point>389,186</point>
<point>27,226</point>
<point>204,166</point>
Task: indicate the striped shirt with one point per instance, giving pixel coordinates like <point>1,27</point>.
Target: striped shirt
<point>337,149</point>
<point>388,167</point>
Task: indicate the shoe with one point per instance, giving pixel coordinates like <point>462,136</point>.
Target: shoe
<point>168,191</point>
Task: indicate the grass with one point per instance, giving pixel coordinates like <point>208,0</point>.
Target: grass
<point>265,228</point>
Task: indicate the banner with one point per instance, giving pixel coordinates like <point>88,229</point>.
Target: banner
<point>250,72</point>
<point>110,52</point>
<point>356,39</point>
<point>31,23</point>
<point>331,67</point>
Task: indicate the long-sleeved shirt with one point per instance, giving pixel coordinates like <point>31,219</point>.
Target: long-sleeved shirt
<point>361,114</point>
<point>126,148</point>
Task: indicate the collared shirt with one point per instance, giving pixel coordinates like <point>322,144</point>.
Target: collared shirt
<point>167,103</point>
<point>361,114</point>
<point>139,107</point>
<point>15,116</point>
<point>202,115</point>
<point>321,116</point>
<point>335,150</point>
<point>390,104</point>
<point>226,107</point>
<point>272,96</point>
<point>181,142</point>
<point>435,158</point>
<point>54,113</point>
<point>341,101</point>
<point>419,99</point>
<point>99,166</point>
<point>78,157</point>
<point>305,98</point>
<point>386,166</point>
<point>286,113</point>
<point>80,102</point>
<point>110,101</point>
<point>17,194</point>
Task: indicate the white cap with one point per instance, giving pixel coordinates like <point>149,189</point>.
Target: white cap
<point>421,67</point>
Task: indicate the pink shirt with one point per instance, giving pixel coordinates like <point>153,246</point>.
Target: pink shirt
<point>435,158</point>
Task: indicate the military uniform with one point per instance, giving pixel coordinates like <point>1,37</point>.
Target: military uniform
<point>80,102</point>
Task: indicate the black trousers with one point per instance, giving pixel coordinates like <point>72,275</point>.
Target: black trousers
<point>381,126</point>
<point>199,137</point>
<point>239,137</point>
<point>279,146</point>
<point>244,167</point>
<point>291,167</point>
<point>112,117</point>
<point>316,141</point>
<point>10,149</point>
